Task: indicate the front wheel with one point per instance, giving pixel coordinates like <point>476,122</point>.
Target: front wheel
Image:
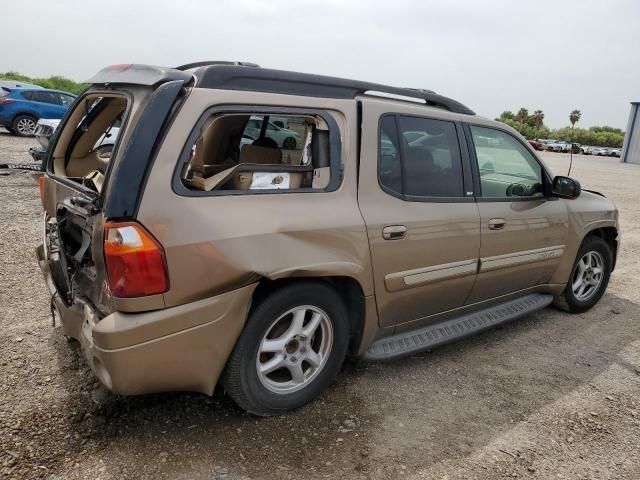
<point>589,277</point>
<point>290,350</point>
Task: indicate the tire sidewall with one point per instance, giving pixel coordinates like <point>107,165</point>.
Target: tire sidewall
<point>590,244</point>
<point>262,318</point>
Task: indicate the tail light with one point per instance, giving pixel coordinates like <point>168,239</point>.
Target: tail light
<point>136,264</point>
<point>6,101</point>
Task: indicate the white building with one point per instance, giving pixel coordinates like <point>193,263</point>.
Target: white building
<point>631,146</point>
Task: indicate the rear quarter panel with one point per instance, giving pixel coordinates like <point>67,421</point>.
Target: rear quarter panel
<point>218,243</point>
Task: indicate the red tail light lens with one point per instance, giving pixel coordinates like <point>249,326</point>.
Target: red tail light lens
<point>6,101</point>
<point>135,261</point>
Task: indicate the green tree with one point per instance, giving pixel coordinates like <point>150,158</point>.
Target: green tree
<point>522,116</point>
<point>538,119</point>
<point>574,117</point>
<point>55,82</point>
<point>506,115</point>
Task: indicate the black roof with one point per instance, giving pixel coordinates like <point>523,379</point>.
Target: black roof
<point>250,77</point>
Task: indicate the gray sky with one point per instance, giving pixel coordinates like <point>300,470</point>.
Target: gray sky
<point>492,55</point>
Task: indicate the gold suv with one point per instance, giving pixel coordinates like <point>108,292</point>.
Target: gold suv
<point>255,226</point>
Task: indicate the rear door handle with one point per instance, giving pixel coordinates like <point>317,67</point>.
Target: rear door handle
<point>497,223</point>
<point>394,232</point>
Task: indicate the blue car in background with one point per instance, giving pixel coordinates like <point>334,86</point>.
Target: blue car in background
<point>21,108</point>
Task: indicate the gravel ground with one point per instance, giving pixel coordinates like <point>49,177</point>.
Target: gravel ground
<point>549,396</point>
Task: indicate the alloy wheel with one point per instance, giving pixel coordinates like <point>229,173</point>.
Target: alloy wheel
<point>26,126</point>
<point>294,349</point>
<point>588,276</point>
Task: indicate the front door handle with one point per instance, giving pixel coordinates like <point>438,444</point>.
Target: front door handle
<point>394,232</point>
<point>497,223</point>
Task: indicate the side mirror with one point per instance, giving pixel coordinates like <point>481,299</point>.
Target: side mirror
<point>565,187</point>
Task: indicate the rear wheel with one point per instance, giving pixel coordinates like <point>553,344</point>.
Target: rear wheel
<point>589,276</point>
<point>24,125</point>
<point>290,350</point>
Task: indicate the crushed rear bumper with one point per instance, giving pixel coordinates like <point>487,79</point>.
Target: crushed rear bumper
<point>178,348</point>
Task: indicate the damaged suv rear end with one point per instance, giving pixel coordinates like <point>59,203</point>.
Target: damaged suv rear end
<point>202,215</point>
<point>101,265</point>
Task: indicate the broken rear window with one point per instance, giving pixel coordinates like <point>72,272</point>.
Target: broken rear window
<point>249,152</point>
<point>85,146</point>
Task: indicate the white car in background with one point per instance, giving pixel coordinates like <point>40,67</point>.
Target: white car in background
<point>615,152</point>
<point>559,146</point>
<point>285,138</point>
<point>598,151</point>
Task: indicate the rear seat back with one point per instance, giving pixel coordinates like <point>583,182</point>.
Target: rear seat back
<point>260,155</point>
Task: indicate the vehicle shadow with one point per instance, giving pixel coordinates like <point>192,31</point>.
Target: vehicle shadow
<point>413,412</point>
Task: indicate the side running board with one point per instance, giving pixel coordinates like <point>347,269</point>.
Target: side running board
<point>424,338</point>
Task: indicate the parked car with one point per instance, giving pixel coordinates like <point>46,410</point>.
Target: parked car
<point>11,84</point>
<point>536,144</point>
<point>184,260</point>
<point>285,138</point>
<point>550,145</point>
<point>615,152</point>
<point>21,108</point>
<point>598,151</point>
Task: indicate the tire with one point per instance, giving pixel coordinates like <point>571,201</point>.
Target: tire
<point>24,125</point>
<point>571,299</point>
<point>270,337</point>
<point>289,143</point>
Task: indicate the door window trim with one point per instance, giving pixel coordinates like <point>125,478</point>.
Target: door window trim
<point>467,195</point>
<point>546,178</point>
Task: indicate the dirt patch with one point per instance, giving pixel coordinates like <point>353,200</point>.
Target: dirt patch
<point>550,396</point>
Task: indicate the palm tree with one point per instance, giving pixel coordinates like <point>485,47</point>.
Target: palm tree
<point>522,116</point>
<point>538,119</point>
<point>574,117</point>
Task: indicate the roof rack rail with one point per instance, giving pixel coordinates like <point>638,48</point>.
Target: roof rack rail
<point>189,66</point>
<point>393,96</point>
<point>232,76</point>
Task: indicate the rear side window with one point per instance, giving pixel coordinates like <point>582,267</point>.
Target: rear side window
<point>45,97</point>
<point>27,95</point>
<point>249,152</point>
<point>420,157</point>
<point>506,167</point>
